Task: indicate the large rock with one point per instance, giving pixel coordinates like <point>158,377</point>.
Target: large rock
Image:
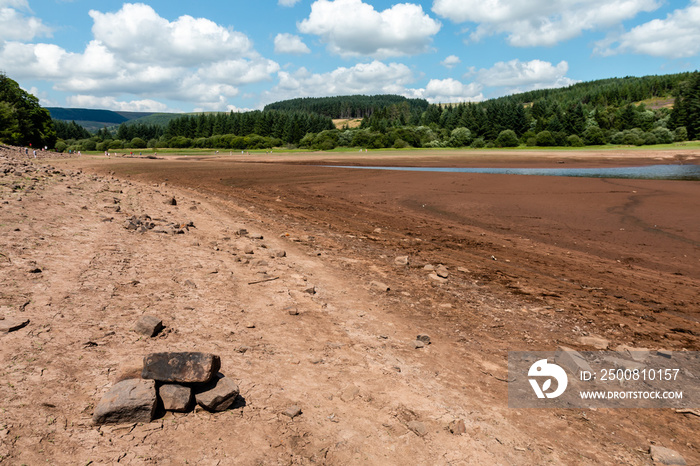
<point>218,395</point>
<point>666,456</point>
<point>132,400</point>
<point>148,326</point>
<point>12,324</point>
<point>175,397</point>
<point>189,367</point>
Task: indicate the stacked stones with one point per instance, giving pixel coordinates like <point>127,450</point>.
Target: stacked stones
<point>176,381</point>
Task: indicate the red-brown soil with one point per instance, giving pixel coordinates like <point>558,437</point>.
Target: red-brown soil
<point>534,263</point>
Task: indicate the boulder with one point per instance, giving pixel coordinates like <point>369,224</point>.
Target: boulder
<point>175,397</point>
<point>132,400</point>
<point>217,395</point>
<point>188,367</point>
<point>149,326</point>
<point>666,456</point>
<point>12,324</point>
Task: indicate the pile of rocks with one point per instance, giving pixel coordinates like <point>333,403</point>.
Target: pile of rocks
<point>144,223</point>
<point>171,381</point>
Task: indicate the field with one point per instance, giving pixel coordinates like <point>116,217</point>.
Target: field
<point>533,263</point>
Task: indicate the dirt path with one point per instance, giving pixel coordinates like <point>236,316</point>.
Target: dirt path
<point>347,359</point>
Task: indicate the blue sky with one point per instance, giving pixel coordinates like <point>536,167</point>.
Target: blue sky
<point>187,56</point>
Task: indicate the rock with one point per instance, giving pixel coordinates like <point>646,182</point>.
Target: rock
<point>379,286</point>
<point>666,455</point>
<point>417,428</point>
<point>441,271</point>
<point>571,360</point>
<point>149,326</point>
<point>424,338</point>
<point>596,342</point>
<point>132,400</point>
<point>12,325</point>
<point>310,290</point>
<point>278,253</point>
<point>130,369</point>
<point>175,397</point>
<point>35,270</point>
<point>255,236</point>
<point>188,367</point>
<point>217,395</point>
<point>292,411</point>
<point>249,249</point>
<point>171,201</point>
<point>437,278</point>
<point>349,393</point>
<point>401,260</point>
<point>458,427</point>
<point>418,344</point>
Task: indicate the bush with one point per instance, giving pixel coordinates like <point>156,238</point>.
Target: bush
<point>663,135</point>
<point>460,137</point>
<point>575,141</point>
<point>507,138</point>
<point>478,143</point>
<point>180,142</point>
<point>88,144</point>
<point>138,143</point>
<point>680,134</point>
<point>593,136</point>
<point>545,139</point>
<point>400,144</point>
<point>649,139</point>
<point>60,146</point>
<point>116,144</point>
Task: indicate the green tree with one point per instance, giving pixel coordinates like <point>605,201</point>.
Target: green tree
<point>507,138</point>
<point>22,120</point>
<point>545,139</point>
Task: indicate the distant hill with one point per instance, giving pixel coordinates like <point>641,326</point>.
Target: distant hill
<point>92,119</point>
<point>349,106</point>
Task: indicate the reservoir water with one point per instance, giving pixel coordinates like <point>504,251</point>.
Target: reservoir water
<point>649,172</point>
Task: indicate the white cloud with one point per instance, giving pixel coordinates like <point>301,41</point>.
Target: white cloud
<point>291,44</point>
<point>136,52</point>
<point>287,2</point>
<point>448,91</point>
<point>355,28</point>
<point>88,101</point>
<point>364,78</point>
<point>516,76</point>
<point>14,25</point>
<point>677,36</point>
<point>138,34</point>
<point>540,22</point>
<point>451,61</point>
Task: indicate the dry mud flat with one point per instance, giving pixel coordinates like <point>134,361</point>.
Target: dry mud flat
<point>312,327</point>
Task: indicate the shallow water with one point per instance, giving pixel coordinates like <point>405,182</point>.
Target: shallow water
<point>649,172</point>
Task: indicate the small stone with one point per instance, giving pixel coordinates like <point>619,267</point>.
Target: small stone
<point>249,250</point>
<point>424,338</point>
<point>35,270</point>
<point>132,400</point>
<point>292,411</point>
<point>418,344</point>
<point>250,325</point>
<point>310,290</point>
<point>458,427</point>
<point>596,342</point>
<point>149,326</point>
<point>349,393</point>
<point>187,367</point>
<point>218,395</point>
<point>257,236</point>
<point>175,397</point>
<point>379,286</point>
<point>666,456</point>
<point>12,325</point>
<point>418,428</point>
<point>401,260</point>
<point>293,312</point>
<point>442,272</point>
<point>171,201</point>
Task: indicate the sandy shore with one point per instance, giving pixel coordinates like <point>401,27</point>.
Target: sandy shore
<point>534,263</point>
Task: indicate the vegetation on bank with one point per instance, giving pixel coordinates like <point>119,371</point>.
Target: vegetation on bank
<point>605,112</point>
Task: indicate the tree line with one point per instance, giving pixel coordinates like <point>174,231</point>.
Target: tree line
<point>23,122</point>
<point>594,113</point>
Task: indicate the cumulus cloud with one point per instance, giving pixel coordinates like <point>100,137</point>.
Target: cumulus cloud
<point>450,91</point>
<point>364,78</point>
<point>451,61</point>
<point>677,36</point>
<point>540,22</point>
<point>139,35</point>
<point>517,76</point>
<point>138,53</point>
<point>291,44</point>
<point>16,25</point>
<point>88,101</point>
<point>355,28</point>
